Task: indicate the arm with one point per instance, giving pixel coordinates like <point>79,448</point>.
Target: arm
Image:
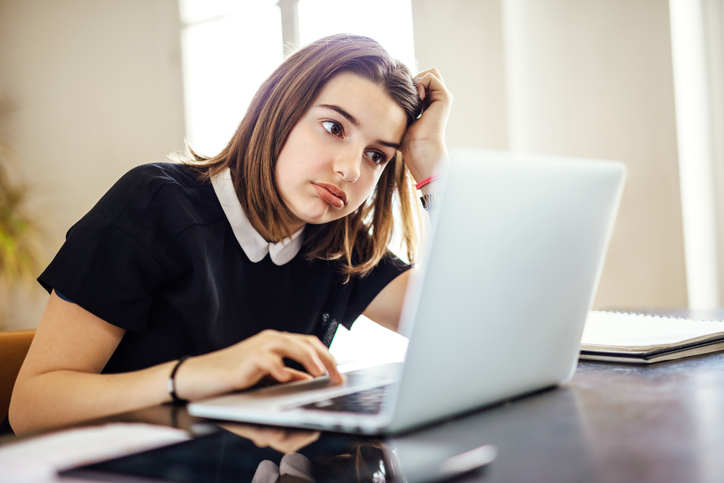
<point>61,383</point>
<point>386,307</point>
<point>423,149</point>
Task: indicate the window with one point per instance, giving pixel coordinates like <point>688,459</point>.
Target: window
<point>230,47</point>
<point>387,21</point>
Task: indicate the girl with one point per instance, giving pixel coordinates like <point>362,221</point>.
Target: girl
<point>194,279</point>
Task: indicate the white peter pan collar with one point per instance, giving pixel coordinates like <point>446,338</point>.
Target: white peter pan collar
<point>253,244</point>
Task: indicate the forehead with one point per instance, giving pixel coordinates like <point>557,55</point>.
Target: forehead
<point>367,102</point>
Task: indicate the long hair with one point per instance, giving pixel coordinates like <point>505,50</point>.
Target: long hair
<point>361,238</point>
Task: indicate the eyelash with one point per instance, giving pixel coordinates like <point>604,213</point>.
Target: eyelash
<point>380,162</point>
<point>334,123</point>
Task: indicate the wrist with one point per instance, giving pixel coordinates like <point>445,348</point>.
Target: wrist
<point>430,188</point>
<point>422,184</point>
<point>425,159</point>
<point>172,384</point>
<point>204,376</point>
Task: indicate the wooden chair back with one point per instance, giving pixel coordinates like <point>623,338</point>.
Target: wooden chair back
<point>14,345</point>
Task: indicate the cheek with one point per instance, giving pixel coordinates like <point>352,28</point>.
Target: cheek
<point>289,161</point>
<point>287,177</point>
<point>366,185</point>
<point>281,172</point>
<point>299,155</point>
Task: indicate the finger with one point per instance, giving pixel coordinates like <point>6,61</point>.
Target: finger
<point>295,375</point>
<point>432,85</point>
<point>271,364</point>
<point>268,364</point>
<point>300,439</point>
<point>327,359</point>
<point>432,71</point>
<point>308,351</point>
<point>295,439</point>
<point>420,90</point>
<point>297,348</point>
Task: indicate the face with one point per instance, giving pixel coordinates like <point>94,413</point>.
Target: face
<point>338,149</point>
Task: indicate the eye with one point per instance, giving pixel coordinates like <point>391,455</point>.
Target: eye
<point>333,127</point>
<point>377,157</point>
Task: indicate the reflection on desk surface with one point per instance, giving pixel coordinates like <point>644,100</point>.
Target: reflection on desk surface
<point>555,448</point>
<point>261,454</point>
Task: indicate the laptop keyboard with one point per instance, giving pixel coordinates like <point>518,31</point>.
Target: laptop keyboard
<point>365,402</point>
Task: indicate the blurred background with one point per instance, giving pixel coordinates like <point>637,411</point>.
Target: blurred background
<point>90,89</point>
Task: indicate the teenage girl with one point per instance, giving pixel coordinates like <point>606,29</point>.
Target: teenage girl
<point>193,279</point>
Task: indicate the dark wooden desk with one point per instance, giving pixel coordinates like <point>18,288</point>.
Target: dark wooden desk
<point>613,423</point>
<point>610,423</point>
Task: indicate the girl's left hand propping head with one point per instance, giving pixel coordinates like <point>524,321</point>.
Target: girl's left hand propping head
<point>423,147</point>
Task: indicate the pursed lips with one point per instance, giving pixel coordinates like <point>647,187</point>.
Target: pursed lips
<point>331,194</point>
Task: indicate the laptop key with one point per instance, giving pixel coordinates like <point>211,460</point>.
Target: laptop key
<point>365,402</point>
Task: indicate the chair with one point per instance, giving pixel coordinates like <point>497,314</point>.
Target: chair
<point>14,345</point>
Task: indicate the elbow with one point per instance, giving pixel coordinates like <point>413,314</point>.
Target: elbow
<point>14,418</point>
<point>18,413</point>
<point>21,413</point>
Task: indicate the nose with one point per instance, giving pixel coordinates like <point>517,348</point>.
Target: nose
<point>347,165</point>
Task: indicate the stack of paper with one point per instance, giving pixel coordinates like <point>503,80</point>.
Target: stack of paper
<point>643,339</point>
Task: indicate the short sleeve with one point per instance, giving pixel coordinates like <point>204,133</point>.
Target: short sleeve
<point>365,289</point>
<point>106,272</point>
<point>102,266</point>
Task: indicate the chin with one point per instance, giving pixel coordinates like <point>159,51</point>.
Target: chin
<point>314,216</point>
<point>321,219</point>
<point>319,213</point>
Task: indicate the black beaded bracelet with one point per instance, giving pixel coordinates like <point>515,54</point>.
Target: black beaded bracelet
<point>172,382</point>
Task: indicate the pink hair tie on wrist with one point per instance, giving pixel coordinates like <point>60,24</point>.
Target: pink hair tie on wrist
<point>426,181</point>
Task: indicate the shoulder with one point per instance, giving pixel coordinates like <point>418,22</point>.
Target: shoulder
<point>158,198</point>
<point>147,179</point>
<point>148,185</point>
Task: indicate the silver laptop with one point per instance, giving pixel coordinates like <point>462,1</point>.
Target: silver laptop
<point>510,270</point>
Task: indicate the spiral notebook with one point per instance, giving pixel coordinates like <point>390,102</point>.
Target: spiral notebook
<point>645,339</point>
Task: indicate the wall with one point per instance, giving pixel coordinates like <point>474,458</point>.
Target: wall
<point>591,79</point>
<point>463,39</point>
<point>96,89</point>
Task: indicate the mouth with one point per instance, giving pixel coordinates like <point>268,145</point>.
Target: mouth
<point>331,194</point>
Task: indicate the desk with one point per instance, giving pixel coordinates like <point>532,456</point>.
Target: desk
<point>610,423</point>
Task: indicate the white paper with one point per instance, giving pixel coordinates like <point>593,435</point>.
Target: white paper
<point>639,330</point>
<point>39,458</point>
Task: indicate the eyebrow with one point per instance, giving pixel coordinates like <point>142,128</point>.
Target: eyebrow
<point>356,123</point>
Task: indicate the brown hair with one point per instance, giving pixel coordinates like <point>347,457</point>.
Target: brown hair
<point>362,237</point>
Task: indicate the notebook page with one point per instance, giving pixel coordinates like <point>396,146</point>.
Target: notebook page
<point>644,332</point>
